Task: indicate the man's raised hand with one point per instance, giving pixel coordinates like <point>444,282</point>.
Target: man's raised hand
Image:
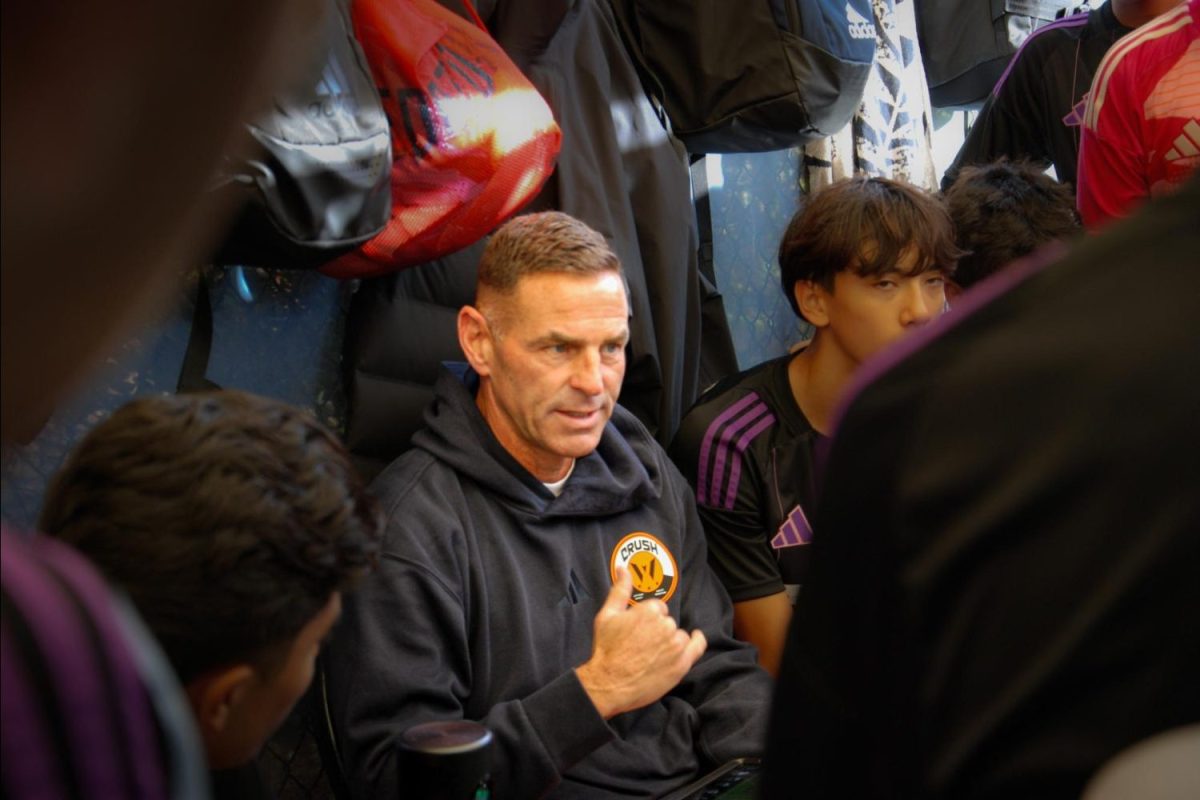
<point>639,653</point>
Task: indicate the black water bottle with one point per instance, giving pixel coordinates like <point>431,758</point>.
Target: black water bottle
<point>447,760</point>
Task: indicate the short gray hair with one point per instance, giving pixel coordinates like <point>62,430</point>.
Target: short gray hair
<point>548,241</point>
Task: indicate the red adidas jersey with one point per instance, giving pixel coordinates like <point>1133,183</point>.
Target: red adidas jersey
<point>1141,130</point>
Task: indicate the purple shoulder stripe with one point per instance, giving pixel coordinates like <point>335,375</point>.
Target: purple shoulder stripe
<point>1073,21</point>
<point>971,301</point>
<point>75,671</point>
<point>136,712</point>
<point>735,466</point>
<point>30,769</point>
<point>722,435</point>
<point>714,428</point>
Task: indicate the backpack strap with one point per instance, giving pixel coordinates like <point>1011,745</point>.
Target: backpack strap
<point>703,206</point>
<point>718,357</point>
<point>195,357</point>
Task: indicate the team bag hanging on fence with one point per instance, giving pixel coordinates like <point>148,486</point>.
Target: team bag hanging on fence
<point>966,44</point>
<point>317,184</point>
<point>472,140</point>
<point>751,76</point>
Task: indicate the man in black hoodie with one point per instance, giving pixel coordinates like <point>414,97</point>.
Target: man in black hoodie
<point>544,569</point>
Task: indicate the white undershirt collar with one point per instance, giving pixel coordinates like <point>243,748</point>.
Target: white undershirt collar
<point>556,488</point>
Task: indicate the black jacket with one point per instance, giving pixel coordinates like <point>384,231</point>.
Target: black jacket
<point>485,601</point>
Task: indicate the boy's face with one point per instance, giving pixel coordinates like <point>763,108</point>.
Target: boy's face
<point>264,701</point>
<point>864,314</point>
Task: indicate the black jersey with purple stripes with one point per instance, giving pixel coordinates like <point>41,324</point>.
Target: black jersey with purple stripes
<point>747,450</point>
<point>1036,109</point>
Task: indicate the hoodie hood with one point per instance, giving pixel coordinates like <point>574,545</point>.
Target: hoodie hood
<point>622,473</point>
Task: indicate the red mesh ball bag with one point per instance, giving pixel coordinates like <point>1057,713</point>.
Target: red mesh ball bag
<point>472,140</point>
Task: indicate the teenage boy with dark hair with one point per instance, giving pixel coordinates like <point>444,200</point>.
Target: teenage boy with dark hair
<point>1004,211</point>
<point>863,261</point>
<point>1003,593</point>
<point>233,523</point>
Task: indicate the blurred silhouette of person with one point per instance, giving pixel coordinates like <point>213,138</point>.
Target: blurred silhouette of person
<point>112,125</point>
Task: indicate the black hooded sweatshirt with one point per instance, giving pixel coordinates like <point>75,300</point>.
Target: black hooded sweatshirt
<point>484,602</point>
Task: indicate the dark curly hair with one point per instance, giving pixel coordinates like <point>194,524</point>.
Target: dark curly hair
<point>1003,211</point>
<point>864,225</point>
<point>229,520</point>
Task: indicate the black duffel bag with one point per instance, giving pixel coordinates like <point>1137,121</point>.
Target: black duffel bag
<point>754,75</point>
<point>319,181</point>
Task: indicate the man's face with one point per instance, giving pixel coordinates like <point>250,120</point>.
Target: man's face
<point>554,367</point>
<point>865,314</point>
<point>267,699</point>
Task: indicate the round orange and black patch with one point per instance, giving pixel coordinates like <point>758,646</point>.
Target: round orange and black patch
<point>650,564</point>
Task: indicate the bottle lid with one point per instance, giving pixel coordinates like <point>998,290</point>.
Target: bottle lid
<point>446,737</point>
